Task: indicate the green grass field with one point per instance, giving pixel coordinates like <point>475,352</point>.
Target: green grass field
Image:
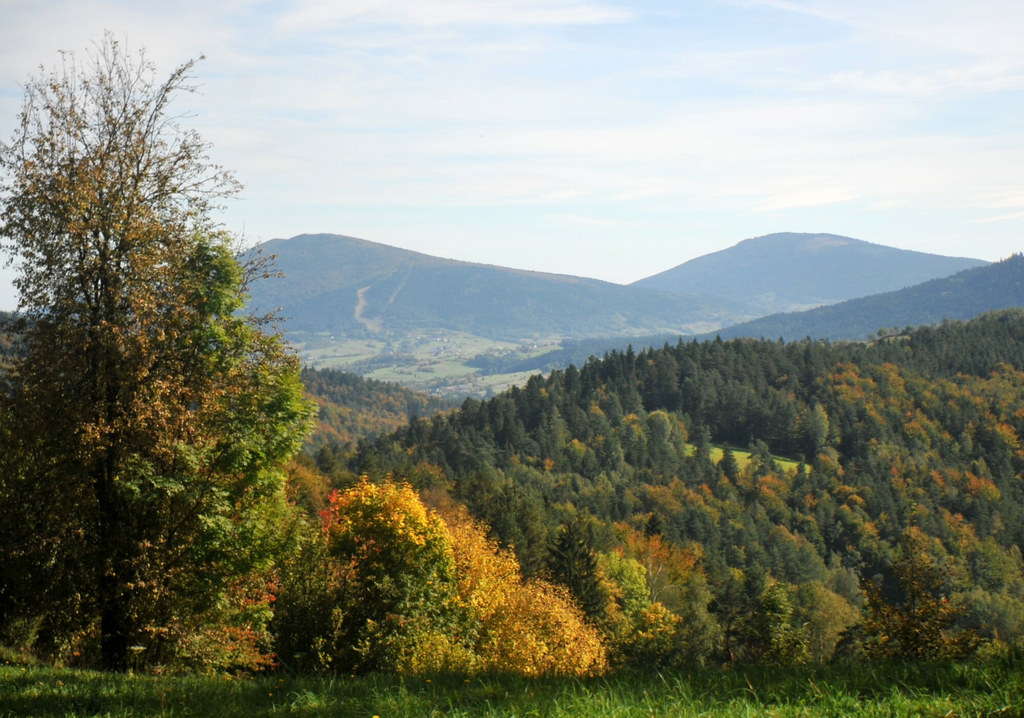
<point>993,689</point>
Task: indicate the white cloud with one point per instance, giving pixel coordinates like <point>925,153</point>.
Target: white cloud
<point>808,194</point>
<point>981,78</point>
<point>316,15</point>
<point>1000,218</point>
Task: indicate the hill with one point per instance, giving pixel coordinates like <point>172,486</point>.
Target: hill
<point>905,466</point>
<point>964,295</point>
<point>790,272</point>
<point>354,288</point>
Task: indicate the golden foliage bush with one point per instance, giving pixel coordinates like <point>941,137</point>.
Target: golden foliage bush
<point>399,598</point>
<point>420,590</point>
<point>530,628</point>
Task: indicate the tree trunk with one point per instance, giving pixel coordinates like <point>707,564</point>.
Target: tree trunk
<point>109,568</point>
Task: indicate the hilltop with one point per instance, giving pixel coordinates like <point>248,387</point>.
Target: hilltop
<point>789,271</point>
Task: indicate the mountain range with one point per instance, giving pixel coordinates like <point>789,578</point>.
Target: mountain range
<point>463,329</point>
<point>351,287</point>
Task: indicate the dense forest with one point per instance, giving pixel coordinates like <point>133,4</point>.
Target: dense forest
<point>785,501</point>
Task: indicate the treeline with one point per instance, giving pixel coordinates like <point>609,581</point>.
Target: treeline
<point>902,496</point>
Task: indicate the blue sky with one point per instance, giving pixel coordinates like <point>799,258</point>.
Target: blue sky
<point>593,137</point>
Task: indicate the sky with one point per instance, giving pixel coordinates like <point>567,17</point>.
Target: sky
<point>600,138</point>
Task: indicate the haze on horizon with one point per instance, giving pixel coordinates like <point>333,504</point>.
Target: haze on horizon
<point>601,138</point>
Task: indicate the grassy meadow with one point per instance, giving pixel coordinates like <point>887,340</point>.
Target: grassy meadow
<point>905,689</point>
<point>743,458</point>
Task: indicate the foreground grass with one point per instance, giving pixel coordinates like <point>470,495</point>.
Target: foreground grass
<point>995,689</point>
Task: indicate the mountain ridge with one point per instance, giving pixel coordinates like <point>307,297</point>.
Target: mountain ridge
<point>344,285</point>
<point>963,295</point>
<point>341,284</point>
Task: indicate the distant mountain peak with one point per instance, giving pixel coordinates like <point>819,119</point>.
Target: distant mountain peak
<point>806,238</point>
<point>791,271</point>
<point>822,241</point>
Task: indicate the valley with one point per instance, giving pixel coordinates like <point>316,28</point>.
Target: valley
<point>323,475</point>
<point>457,329</point>
<point>439,363</point>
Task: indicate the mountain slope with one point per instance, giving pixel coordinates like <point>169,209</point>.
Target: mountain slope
<point>791,272</point>
<point>962,296</point>
<point>351,287</point>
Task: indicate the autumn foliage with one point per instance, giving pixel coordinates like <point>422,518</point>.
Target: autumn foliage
<point>412,592</point>
<point>527,627</point>
<point>145,418</point>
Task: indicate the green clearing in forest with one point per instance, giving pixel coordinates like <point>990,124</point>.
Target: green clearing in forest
<point>743,458</point>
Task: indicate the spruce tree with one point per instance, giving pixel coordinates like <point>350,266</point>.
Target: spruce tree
<point>573,563</point>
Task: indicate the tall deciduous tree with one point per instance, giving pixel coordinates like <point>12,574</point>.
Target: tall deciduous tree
<point>149,416</point>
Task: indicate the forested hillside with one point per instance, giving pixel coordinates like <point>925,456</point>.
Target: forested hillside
<point>878,499</point>
<point>351,407</point>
